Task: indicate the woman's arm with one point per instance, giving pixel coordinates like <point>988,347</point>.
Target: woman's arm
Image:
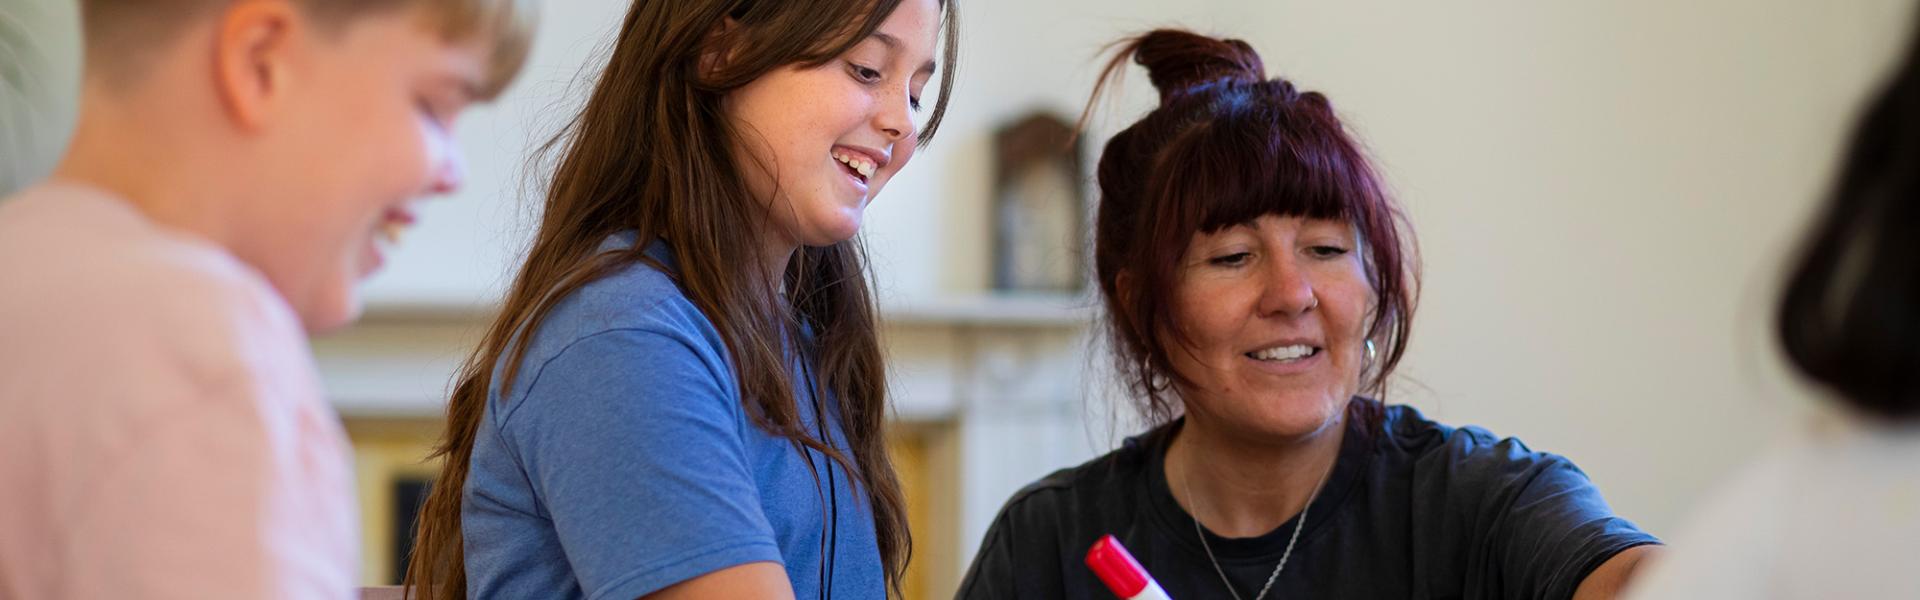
<point>1607,582</point>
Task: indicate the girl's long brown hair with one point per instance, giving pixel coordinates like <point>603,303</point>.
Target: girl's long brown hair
<point>650,152</point>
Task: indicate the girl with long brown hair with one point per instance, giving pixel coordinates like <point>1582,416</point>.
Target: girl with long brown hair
<point>683,395</point>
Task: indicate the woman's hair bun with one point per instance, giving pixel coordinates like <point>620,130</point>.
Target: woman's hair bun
<point>1179,61</point>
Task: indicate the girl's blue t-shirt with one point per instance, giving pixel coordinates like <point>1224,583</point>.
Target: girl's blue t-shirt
<point>623,461</point>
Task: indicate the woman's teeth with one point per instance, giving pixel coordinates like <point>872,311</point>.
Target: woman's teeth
<point>859,164</point>
<point>1284,353</point>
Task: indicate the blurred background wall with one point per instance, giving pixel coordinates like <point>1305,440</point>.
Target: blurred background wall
<point>1603,192</point>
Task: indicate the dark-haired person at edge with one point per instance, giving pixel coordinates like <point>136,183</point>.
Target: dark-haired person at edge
<point>684,394</point>
<point>1832,510</point>
<point>1258,283</point>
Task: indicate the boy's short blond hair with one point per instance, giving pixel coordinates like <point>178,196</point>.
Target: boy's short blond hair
<point>119,32</point>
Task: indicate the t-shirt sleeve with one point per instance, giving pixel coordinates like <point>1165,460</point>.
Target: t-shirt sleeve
<point>631,440</point>
<point>182,513</point>
<point>196,506</point>
<point>992,572</point>
<point>1543,526</point>
<point>1020,554</point>
<point>220,485</point>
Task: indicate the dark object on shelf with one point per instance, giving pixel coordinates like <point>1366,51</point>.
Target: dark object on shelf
<point>1040,210</point>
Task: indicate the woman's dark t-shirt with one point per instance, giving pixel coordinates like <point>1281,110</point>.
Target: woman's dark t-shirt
<point>1414,509</point>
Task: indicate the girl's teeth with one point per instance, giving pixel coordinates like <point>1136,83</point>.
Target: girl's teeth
<point>859,165</point>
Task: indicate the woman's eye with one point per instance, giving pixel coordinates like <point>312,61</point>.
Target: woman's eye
<point>914,103</point>
<point>1327,251</point>
<point>1231,260</point>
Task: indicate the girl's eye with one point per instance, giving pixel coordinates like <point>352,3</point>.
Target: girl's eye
<point>1231,260</point>
<point>914,103</point>
<point>865,74</point>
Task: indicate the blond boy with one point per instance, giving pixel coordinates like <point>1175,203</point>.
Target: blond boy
<point>238,166</point>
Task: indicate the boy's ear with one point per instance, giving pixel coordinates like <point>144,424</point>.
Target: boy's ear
<point>253,55</point>
<point>717,49</point>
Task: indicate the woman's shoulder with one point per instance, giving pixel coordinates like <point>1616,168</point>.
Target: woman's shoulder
<point>1409,431</point>
<point>1102,481</point>
<point>1467,455</point>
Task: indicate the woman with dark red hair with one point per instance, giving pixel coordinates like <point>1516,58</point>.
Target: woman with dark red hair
<point>1259,287</point>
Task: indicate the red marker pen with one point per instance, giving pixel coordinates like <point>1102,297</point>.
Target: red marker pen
<point>1122,574</point>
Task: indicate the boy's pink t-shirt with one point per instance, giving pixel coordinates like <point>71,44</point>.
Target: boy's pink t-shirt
<point>162,428</point>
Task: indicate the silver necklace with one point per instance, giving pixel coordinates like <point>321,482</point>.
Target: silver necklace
<point>1187,482</point>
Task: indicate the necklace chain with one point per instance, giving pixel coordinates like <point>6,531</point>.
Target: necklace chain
<point>1187,482</point>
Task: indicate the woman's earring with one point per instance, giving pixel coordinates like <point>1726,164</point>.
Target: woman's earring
<point>1371,354</point>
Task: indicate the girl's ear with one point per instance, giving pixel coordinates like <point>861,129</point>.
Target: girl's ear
<point>718,48</point>
<point>1123,283</point>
